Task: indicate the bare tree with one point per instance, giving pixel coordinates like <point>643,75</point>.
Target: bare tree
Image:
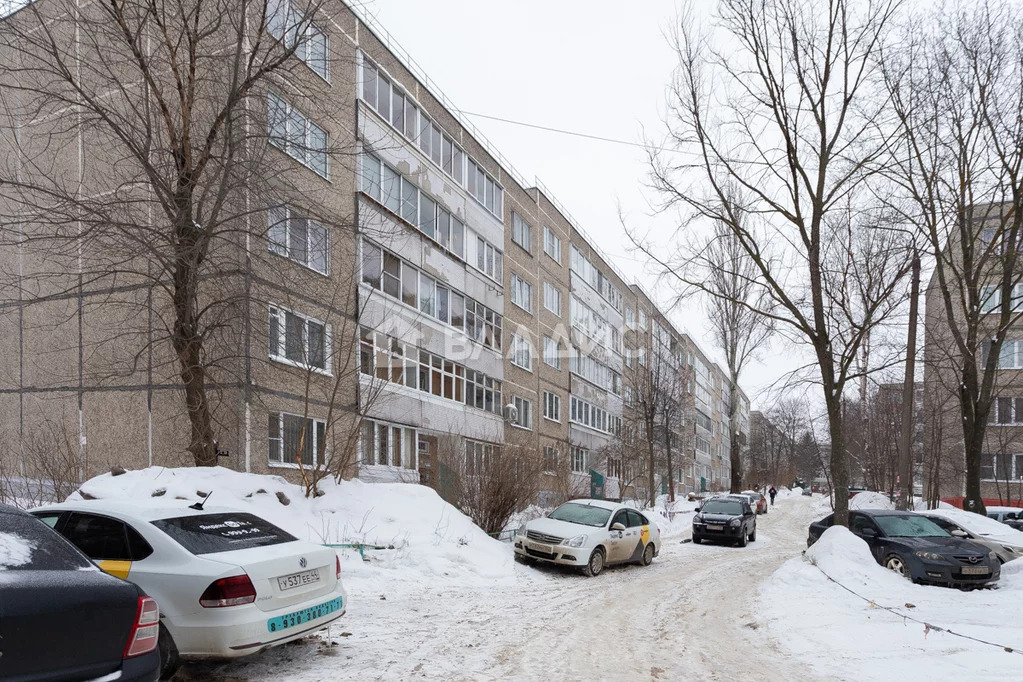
<point>134,160</point>
<point>786,113</point>
<point>956,88</point>
<point>739,328</point>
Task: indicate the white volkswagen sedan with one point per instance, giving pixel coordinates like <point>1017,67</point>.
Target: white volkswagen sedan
<point>228,583</point>
<point>589,534</point>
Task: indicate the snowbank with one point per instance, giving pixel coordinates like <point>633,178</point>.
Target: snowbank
<point>869,500</point>
<point>430,538</point>
<point>807,614</point>
<point>785,493</point>
<point>981,525</point>
<point>14,550</point>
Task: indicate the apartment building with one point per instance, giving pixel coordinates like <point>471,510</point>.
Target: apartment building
<point>410,299</point>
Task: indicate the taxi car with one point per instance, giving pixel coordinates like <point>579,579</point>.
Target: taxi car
<point>589,534</point>
<point>228,583</point>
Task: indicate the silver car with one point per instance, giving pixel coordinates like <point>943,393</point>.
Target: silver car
<point>589,534</point>
<point>1003,550</point>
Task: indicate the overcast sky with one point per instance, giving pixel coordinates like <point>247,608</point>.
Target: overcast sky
<point>586,66</point>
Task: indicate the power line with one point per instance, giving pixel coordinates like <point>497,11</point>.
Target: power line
<point>573,133</point>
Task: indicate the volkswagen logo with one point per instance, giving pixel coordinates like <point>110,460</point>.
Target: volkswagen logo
<point>302,562</point>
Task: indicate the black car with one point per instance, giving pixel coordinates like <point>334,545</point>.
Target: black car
<point>915,547</point>
<point>725,519</point>
<point>61,618</point>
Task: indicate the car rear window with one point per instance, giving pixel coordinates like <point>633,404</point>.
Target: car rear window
<point>732,507</point>
<point>26,543</point>
<point>224,532</point>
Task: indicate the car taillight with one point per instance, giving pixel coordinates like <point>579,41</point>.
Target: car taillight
<point>338,560</point>
<point>233,591</point>
<point>146,629</point>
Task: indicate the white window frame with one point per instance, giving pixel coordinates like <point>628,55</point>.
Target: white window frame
<point>552,244</point>
<point>524,412</point>
<point>521,346</point>
<point>579,459</point>
<point>280,353</point>
<point>301,154</point>
<point>522,233</point>
<point>550,459</point>
<point>318,461</point>
<point>284,248</point>
<point>520,289</point>
<point>552,292</point>
<point>552,406</point>
<point>551,352</point>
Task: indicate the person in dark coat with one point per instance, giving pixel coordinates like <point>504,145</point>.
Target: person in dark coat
<point>772,492</point>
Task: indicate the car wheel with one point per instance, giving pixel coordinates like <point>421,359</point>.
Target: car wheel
<point>743,539</point>
<point>753,535</point>
<point>697,539</point>
<point>894,562</point>
<point>523,559</point>
<point>595,565</point>
<point>648,554</point>
<point>169,660</point>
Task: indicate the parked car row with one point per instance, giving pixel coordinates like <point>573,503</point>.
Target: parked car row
<point>224,583</point>
<point>920,548</point>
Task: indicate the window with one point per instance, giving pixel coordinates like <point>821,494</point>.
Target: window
<point>293,439</point>
<point>578,456</point>
<point>101,537</point>
<point>400,196</point>
<point>630,320</point>
<point>991,298</point>
<point>552,406</point>
<point>1010,356</point>
<point>522,293</point>
<point>642,320</point>
<point>398,109</point>
<point>551,352</point>
<point>585,414</point>
<point>1001,467</point>
<point>483,256</point>
<point>389,445</point>
<point>483,188</point>
<point>521,353</point>
<point>298,237</point>
<point>479,456</point>
<point>550,459</point>
<point>551,244</point>
<point>482,392</point>
<point>522,233</point>
<point>298,340</point>
<point>296,135</point>
<point>1008,411</point>
<point>392,360</point>
<point>523,413</point>
<point>282,22</point>
<point>552,298</point>
<point>600,283</point>
<point>614,468</point>
<point>595,372</point>
<point>482,324</point>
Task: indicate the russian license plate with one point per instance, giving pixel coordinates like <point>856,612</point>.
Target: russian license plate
<point>304,616</point>
<point>715,527</point>
<point>546,549</point>
<point>290,582</point>
<point>976,570</point>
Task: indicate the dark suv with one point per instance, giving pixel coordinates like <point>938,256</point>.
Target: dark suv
<point>725,519</point>
<point>917,548</point>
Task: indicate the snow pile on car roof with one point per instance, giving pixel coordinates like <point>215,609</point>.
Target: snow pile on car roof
<point>427,536</point>
<point>807,614</point>
<point>14,550</point>
<point>869,500</point>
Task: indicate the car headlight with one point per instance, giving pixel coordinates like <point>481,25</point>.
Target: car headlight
<point>521,531</point>
<point>991,555</point>
<point>577,541</point>
<point>930,555</point>
<point>736,523</point>
<point>698,519</point>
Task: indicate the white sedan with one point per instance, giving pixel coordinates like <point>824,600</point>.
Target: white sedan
<point>228,583</point>
<point>589,534</point>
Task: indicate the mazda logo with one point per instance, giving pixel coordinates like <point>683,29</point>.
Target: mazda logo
<point>302,562</point>
<point>973,559</point>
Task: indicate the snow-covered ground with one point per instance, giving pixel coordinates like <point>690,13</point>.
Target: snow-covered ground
<point>448,602</point>
<point>843,636</point>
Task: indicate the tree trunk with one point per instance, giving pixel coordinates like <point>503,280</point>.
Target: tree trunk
<point>671,466</point>
<point>736,462</point>
<point>839,461</point>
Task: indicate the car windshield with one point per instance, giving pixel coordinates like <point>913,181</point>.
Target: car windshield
<point>582,514</point>
<point>211,533</point>
<point>731,507</point>
<point>909,526</point>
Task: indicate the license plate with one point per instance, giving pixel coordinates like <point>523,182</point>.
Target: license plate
<point>304,616</point>
<point>290,582</point>
<point>976,570</point>
<point>547,549</point>
<point>715,527</point>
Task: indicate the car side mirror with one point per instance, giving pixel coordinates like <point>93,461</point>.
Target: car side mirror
<point>617,526</point>
<point>697,510</point>
<point>868,533</point>
<point>958,533</point>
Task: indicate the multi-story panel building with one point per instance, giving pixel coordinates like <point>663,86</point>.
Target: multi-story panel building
<point>404,277</point>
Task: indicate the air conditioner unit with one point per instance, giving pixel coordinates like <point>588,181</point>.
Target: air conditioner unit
<point>511,413</point>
